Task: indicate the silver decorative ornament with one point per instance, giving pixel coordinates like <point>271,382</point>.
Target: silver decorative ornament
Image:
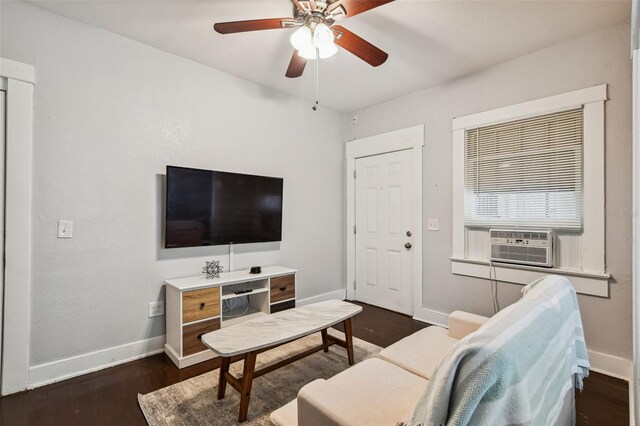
<point>212,269</point>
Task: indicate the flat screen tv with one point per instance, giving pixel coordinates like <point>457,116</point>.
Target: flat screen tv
<point>205,207</point>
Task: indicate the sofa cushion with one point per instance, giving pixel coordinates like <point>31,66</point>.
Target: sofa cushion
<point>373,392</point>
<point>421,352</point>
<point>286,415</point>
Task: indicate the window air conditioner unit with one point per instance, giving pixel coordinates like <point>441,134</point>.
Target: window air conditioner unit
<point>522,247</point>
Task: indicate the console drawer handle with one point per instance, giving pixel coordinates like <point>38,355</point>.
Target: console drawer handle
<point>283,288</point>
<point>202,305</point>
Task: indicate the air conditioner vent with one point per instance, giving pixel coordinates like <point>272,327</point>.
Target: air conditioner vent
<point>522,247</point>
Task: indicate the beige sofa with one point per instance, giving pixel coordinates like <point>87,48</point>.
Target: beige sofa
<point>384,390</point>
<point>394,380</point>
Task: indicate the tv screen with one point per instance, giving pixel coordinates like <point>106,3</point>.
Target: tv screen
<point>205,207</point>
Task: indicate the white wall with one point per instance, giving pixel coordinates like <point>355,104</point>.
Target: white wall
<point>598,58</point>
<point>110,114</point>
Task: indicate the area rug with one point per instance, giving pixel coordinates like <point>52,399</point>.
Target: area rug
<point>193,402</point>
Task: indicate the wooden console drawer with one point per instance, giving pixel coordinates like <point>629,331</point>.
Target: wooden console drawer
<point>283,306</point>
<point>200,304</point>
<point>283,288</point>
<point>191,344</point>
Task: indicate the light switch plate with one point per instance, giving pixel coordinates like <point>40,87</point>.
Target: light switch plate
<point>156,309</point>
<point>433,224</point>
<point>65,229</point>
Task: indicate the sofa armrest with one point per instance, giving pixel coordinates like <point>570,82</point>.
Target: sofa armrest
<point>463,323</point>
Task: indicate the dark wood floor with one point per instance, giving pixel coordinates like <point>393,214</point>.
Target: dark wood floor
<point>109,397</point>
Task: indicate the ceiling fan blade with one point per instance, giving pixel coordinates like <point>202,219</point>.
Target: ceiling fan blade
<point>354,7</point>
<point>296,66</point>
<point>359,46</point>
<point>254,25</point>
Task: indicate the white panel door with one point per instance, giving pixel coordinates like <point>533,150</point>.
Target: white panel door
<point>383,231</point>
<point>2,147</point>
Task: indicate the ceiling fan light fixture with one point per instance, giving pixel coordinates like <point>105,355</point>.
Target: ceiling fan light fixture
<point>322,36</point>
<point>301,37</point>
<point>315,33</point>
<point>327,51</point>
<point>308,51</point>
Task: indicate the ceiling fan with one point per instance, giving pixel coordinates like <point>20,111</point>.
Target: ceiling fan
<point>317,35</point>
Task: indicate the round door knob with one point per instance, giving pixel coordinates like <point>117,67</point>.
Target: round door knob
<point>407,246</point>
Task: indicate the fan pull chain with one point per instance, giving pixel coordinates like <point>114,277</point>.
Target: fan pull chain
<point>316,79</point>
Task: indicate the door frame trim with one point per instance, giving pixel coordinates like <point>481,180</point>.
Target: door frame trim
<point>410,138</point>
<point>18,183</point>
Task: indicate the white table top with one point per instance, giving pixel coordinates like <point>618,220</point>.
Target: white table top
<point>277,328</point>
<point>227,278</point>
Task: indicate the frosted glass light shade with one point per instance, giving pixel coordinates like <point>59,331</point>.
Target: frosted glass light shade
<point>327,51</point>
<point>322,36</point>
<point>308,51</point>
<point>301,37</point>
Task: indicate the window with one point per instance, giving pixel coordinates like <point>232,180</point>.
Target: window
<point>525,172</point>
<point>536,164</point>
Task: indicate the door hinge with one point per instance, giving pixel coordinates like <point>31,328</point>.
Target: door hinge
<point>354,284</point>
<point>354,229</point>
<point>354,174</point>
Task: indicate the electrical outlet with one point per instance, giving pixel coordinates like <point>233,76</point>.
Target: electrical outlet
<point>433,224</point>
<point>355,118</point>
<point>65,229</point>
<point>156,309</point>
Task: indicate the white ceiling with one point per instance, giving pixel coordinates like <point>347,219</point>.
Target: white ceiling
<point>429,42</point>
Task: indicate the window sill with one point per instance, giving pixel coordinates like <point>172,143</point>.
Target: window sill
<point>592,284</point>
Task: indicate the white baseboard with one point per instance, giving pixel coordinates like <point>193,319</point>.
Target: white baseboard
<point>67,368</point>
<point>431,317</point>
<point>337,294</point>
<point>55,371</point>
<point>51,372</point>
<point>611,365</point>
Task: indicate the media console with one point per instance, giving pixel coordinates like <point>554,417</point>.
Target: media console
<point>194,306</point>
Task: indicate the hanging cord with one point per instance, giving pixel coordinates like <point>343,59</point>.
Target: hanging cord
<point>316,82</point>
<point>494,287</point>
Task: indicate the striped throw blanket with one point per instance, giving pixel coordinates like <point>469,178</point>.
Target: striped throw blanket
<point>516,368</point>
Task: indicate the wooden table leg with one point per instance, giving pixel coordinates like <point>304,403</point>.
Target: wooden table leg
<point>325,341</point>
<point>349,340</point>
<point>222,382</point>
<point>247,380</point>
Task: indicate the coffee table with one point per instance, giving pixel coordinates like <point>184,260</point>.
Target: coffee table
<point>249,338</point>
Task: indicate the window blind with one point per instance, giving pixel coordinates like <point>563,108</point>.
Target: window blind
<point>525,173</point>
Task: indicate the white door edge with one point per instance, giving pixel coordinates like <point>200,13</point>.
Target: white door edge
<point>409,138</point>
<point>2,157</point>
<point>20,80</point>
<point>634,389</point>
